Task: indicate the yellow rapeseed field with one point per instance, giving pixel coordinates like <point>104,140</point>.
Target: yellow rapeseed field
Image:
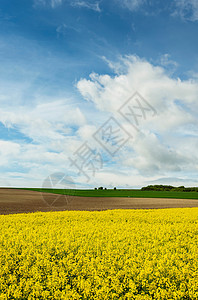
<point>120,254</point>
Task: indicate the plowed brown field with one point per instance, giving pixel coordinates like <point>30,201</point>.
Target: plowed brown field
<point>23,201</point>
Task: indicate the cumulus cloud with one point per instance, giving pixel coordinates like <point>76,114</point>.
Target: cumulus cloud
<point>161,145</point>
<point>109,92</point>
<point>164,147</point>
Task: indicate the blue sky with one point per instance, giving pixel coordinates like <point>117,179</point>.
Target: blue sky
<point>67,66</point>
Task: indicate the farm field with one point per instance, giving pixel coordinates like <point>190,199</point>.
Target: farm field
<point>122,193</point>
<point>119,254</point>
<point>21,201</point>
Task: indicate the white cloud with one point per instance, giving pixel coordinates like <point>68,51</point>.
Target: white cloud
<point>87,4</point>
<point>161,146</point>
<point>48,121</point>
<point>50,126</point>
<point>167,62</point>
<point>40,121</point>
<point>86,132</point>
<point>154,156</point>
<point>52,3</point>
<point>153,82</point>
<point>8,150</point>
<point>132,4</point>
<point>76,3</point>
<point>63,29</point>
<point>165,147</point>
<point>187,9</point>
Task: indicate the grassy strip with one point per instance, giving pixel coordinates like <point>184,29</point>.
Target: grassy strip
<point>121,193</point>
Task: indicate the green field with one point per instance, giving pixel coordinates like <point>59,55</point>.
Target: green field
<point>122,193</point>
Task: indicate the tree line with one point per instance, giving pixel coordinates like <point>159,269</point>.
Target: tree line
<point>169,188</point>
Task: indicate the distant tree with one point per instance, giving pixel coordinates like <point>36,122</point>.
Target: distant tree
<point>114,188</point>
<point>100,188</point>
<point>95,189</point>
<point>158,188</point>
<point>169,188</point>
<point>105,188</point>
<point>181,188</point>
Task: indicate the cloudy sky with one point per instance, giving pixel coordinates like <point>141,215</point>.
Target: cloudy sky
<point>105,92</point>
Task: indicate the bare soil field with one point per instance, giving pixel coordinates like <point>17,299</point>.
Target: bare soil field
<point>24,201</point>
